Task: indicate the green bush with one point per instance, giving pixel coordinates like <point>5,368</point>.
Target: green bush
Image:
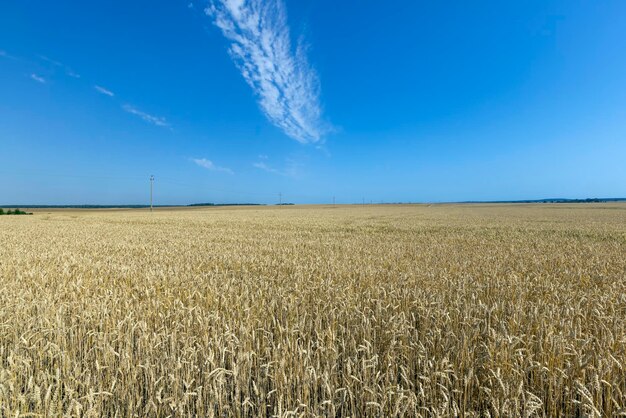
<point>14,212</point>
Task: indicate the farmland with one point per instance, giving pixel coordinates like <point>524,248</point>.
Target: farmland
<point>415,310</point>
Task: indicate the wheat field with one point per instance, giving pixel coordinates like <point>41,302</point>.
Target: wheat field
<point>416,310</point>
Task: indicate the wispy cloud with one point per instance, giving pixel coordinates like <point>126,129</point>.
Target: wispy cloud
<point>68,70</point>
<point>38,79</point>
<point>281,77</point>
<point>292,168</point>
<point>104,91</point>
<point>208,164</point>
<point>5,54</point>
<point>51,61</point>
<point>155,120</point>
<point>265,167</point>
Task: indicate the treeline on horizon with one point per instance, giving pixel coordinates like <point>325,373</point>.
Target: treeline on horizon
<point>555,200</point>
<point>551,200</point>
<point>13,212</point>
<point>125,206</point>
<point>226,204</point>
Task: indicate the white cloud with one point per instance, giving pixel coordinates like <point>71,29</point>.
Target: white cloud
<point>5,54</point>
<point>37,78</point>
<point>208,164</point>
<point>67,69</point>
<point>104,91</point>
<point>281,77</point>
<point>292,168</point>
<point>51,61</point>
<point>155,120</point>
<point>265,167</point>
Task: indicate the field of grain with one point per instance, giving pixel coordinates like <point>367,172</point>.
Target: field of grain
<point>442,310</point>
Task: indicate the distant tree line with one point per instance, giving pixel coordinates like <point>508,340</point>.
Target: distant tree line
<point>133,206</point>
<point>554,200</point>
<point>226,204</point>
<point>13,212</point>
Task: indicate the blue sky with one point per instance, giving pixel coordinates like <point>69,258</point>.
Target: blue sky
<point>238,101</point>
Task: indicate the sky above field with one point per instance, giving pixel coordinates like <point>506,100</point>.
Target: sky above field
<point>238,101</point>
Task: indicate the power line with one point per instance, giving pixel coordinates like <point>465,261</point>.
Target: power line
<point>137,180</point>
<point>151,187</point>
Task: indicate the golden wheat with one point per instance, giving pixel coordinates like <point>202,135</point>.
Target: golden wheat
<point>499,310</point>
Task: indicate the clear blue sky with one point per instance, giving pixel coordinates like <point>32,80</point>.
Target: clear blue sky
<point>236,101</point>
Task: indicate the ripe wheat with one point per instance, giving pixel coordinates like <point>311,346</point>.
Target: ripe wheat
<point>498,310</point>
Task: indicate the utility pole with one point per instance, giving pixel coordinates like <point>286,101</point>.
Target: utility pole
<point>280,199</point>
<point>333,200</point>
<point>151,187</point>
<point>363,201</point>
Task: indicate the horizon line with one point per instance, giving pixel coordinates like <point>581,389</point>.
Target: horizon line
<point>370,203</point>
